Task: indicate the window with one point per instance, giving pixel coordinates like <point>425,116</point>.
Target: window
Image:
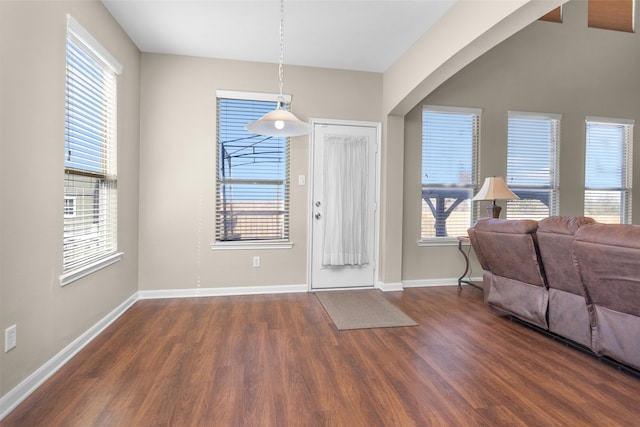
<point>553,16</point>
<point>450,139</point>
<point>611,15</point>
<point>608,170</point>
<point>90,180</point>
<point>252,184</point>
<point>69,207</point>
<point>532,164</point>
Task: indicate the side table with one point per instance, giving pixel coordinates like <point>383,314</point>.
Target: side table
<point>461,279</point>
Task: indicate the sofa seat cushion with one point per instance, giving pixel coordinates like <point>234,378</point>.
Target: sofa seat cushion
<point>522,300</point>
<point>569,316</point>
<point>616,335</point>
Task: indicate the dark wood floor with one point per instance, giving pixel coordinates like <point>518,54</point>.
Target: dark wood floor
<point>277,360</point>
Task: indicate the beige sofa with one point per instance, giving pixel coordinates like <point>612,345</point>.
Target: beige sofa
<point>608,260</point>
<point>569,276</point>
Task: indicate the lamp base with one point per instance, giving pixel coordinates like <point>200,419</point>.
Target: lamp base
<point>494,210</point>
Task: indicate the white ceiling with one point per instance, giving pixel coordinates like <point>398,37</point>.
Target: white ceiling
<point>360,35</point>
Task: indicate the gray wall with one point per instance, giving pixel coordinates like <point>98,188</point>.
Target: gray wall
<point>48,316</point>
<point>547,67</point>
<point>178,145</point>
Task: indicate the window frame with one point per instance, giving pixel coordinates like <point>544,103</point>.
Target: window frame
<point>626,166</point>
<point>285,243</point>
<point>553,184</point>
<point>85,252</point>
<point>472,187</point>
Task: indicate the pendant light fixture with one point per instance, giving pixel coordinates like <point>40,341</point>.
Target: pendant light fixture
<point>279,122</point>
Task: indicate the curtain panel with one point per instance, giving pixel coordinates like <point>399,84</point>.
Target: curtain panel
<point>345,192</point>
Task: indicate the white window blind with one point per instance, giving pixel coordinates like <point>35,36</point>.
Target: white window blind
<point>532,164</point>
<point>608,170</point>
<point>450,139</point>
<point>252,185</point>
<point>90,183</point>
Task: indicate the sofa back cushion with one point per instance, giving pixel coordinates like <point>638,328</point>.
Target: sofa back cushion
<point>476,248</point>
<point>509,249</point>
<point>555,240</point>
<point>608,260</point>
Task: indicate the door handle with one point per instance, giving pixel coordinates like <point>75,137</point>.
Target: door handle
<point>317,215</point>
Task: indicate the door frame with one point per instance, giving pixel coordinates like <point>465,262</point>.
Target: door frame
<point>376,192</point>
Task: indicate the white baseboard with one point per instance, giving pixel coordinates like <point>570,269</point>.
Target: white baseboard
<point>20,392</point>
<point>217,292</point>
<point>422,283</point>
<point>390,287</point>
<point>434,282</point>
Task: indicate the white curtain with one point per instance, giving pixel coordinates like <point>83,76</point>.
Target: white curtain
<point>345,201</point>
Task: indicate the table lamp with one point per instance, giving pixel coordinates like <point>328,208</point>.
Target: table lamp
<point>494,188</point>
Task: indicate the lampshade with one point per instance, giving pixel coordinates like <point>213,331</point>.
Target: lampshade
<point>278,122</point>
<point>494,188</point>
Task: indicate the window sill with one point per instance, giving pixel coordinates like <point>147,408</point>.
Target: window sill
<point>438,241</point>
<point>74,275</point>
<point>251,245</point>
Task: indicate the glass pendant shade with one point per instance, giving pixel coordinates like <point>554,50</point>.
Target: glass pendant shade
<point>279,122</point>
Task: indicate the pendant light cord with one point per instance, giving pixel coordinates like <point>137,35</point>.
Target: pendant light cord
<point>279,122</point>
<point>281,67</point>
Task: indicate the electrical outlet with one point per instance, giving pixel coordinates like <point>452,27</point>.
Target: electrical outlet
<point>10,338</point>
<point>256,261</point>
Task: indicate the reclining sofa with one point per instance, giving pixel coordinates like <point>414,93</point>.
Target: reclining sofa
<point>570,276</point>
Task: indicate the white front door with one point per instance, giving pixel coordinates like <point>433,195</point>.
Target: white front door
<point>344,204</point>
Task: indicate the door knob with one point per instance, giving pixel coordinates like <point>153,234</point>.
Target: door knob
<point>318,215</point>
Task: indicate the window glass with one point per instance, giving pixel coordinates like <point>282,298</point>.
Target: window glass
<point>611,14</point>
<point>554,15</point>
<point>90,178</point>
<point>252,185</point>
<point>532,165</point>
<point>608,170</point>
<point>449,170</point>
<point>69,207</point>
